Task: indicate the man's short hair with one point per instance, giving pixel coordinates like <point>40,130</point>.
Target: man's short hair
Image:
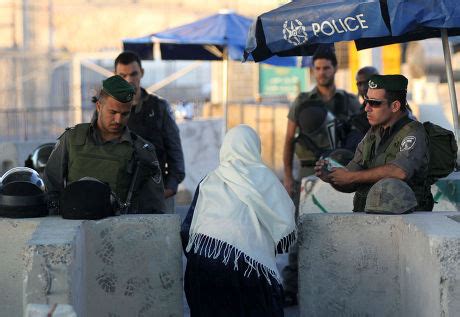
<point>400,95</point>
<point>101,97</point>
<point>325,53</point>
<point>368,71</point>
<point>127,57</point>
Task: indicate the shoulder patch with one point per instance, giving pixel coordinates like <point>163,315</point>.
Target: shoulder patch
<point>66,129</point>
<point>408,143</point>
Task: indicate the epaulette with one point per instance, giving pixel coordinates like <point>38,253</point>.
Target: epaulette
<point>66,129</point>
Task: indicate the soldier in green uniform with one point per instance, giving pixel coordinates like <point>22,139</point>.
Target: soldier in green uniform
<point>396,146</point>
<point>318,122</point>
<point>152,118</point>
<point>105,149</point>
<point>339,103</point>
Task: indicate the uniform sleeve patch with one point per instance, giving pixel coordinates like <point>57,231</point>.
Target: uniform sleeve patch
<point>407,143</point>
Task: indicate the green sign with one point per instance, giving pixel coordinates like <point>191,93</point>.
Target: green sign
<point>278,81</point>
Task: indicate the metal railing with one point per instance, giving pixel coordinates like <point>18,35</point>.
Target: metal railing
<point>38,123</point>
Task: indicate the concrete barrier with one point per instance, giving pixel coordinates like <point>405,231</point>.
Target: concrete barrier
<point>376,265</point>
<point>317,196</point>
<point>43,310</point>
<point>201,140</point>
<point>120,266</point>
<point>14,154</point>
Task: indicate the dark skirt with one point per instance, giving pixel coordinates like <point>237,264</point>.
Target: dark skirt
<point>217,290</point>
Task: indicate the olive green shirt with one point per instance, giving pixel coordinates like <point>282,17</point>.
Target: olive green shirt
<point>150,194</point>
<point>413,156</point>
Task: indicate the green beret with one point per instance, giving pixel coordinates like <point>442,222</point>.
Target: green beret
<point>388,82</point>
<point>118,88</point>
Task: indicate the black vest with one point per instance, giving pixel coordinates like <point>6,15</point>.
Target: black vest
<point>148,123</point>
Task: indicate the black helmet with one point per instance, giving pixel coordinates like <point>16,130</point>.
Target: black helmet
<point>87,198</point>
<point>22,194</point>
<point>39,157</point>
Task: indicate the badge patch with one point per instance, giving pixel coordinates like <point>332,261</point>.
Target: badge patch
<point>294,32</point>
<point>407,143</point>
<point>372,84</point>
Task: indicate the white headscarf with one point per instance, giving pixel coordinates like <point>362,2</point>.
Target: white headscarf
<point>242,208</point>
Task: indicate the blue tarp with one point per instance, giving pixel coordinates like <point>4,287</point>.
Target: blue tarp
<point>295,28</point>
<point>416,20</point>
<point>298,27</point>
<point>204,39</point>
<point>406,16</point>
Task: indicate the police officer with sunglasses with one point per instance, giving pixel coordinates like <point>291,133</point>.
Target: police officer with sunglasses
<point>396,146</point>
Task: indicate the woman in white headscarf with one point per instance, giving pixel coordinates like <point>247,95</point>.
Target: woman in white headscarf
<point>241,216</point>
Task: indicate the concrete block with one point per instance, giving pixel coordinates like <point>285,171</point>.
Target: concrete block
<point>348,267</point>
<point>15,235</point>
<point>120,266</point>
<point>50,262</point>
<point>132,267</point>
<point>43,310</point>
<point>446,192</point>
<point>317,196</point>
<point>379,265</point>
<point>201,140</point>
<point>14,154</point>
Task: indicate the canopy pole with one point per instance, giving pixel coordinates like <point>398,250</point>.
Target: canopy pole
<point>450,80</point>
<point>225,89</point>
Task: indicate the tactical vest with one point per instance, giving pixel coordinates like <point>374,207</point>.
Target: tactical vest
<point>308,151</point>
<point>386,153</point>
<point>148,123</point>
<point>107,162</point>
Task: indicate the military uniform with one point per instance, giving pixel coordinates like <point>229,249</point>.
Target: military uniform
<point>152,119</point>
<point>404,144</point>
<point>343,106</point>
<point>81,152</point>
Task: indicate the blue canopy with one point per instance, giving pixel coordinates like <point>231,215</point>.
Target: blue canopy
<point>204,39</point>
<point>295,28</point>
<point>298,27</point>
<point>416,20</point>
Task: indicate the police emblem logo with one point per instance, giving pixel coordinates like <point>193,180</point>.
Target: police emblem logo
<point>372,84</point>
<point>294,32</point>
<point>407,143</point>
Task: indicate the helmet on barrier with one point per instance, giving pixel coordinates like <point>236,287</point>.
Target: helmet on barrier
<point>22,194</point>
<point>87,198</point>
<point>39,157</point>
<point>390,196</point>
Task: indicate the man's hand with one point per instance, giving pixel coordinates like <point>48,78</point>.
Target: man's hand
<point>340,177</point>
<point>168,192</point>
<point>321,170</point>
<point>289,184</point>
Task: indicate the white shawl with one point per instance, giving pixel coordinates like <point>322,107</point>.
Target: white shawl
<point>242,208</point>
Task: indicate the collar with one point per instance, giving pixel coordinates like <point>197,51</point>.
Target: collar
<point>396,126</point>
<point>338,92</point>
<point>96,136</point>
<point>144,96</point>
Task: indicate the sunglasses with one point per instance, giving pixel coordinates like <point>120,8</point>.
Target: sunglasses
<point>374,103</point>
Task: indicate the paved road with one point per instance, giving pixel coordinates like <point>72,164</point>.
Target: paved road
<point>281,262</point>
